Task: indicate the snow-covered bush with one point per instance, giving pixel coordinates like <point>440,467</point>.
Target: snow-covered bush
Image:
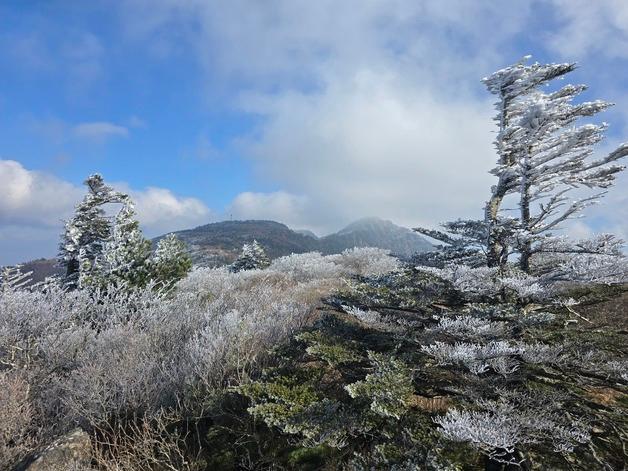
<point>307,266</point>
<point>487,282</point>
<point>366,316</point>
<point>503,425</point>
<point>469,326</point>
<point>497,355</point>
<point>17,431</point>
<point>93,355</point>
<point>368,261</point>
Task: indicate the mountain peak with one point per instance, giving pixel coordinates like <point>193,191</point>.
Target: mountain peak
<point>367,223</point>
<point>219,243</point>
<point>376,232</point>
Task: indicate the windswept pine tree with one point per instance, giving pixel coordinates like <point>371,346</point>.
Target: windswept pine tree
<point>253,256</point>
<point>544,154</point>
<point>87,231</point>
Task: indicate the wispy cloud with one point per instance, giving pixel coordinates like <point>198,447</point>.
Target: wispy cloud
<point>60,132</point>
<point>99,130</point>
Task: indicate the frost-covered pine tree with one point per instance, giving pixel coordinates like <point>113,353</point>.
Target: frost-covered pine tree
<point>125,257</point>
<point>543,155</point>
<point>171,262</point>
<point>253,256</point>
<point>463,242</point>
<point>86,232</point>
<point>12,278</point>
<point>510,85</point>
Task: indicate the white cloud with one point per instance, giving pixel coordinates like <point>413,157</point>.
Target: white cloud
<point>34,198</point>
<point>33,205</point>
<point>60,132</point>
<point>591,28</point>
<point>290,209</point>
<point>160,211</point>
<point>373,146</point>
<point>367,107</point>
<point>99,130</point>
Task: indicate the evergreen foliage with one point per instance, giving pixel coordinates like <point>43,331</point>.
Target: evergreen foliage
<point>103,251</point>
<point>85,234</point>
<point>171,261</point>
<point>125,257</point>
<point>543,154</point>
<point>12,278</point>
<point>252,257</point>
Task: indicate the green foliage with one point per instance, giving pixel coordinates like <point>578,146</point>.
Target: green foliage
<point>252,257</point>
<point>388,389</point>
<point>297,409</point>
<point>171,262</point>
<point>330,349</point>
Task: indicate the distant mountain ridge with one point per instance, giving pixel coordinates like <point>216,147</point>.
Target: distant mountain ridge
<point>220,243</point>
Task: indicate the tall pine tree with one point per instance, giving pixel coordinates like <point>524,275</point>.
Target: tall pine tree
<point>544,154</point>
<point>87,231</point>
<point>126,253</point>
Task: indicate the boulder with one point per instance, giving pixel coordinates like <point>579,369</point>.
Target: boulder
<point>71,452</point>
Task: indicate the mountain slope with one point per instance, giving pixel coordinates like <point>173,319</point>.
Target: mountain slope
<point>375,232</point>
<point>220,243</point>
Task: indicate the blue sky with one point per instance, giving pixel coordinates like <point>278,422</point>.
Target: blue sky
<point>310,113</point>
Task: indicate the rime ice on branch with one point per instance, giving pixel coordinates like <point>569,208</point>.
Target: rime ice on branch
<point>543,155</point>
<point>86,232</point>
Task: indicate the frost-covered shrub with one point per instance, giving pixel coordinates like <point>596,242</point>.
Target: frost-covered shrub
<point>617,368</point>
<point>501,426</point>
<point>17,433</point>
<point>368,316</point>
<point>469,326</point>
<point>470,354</point>
<point>368,261</point>
<point>488,282</point>
<point>96,355</point>
<point>307,266</point>
<point>111,352</point>
<point>496,355</point>
<point>538,353</point>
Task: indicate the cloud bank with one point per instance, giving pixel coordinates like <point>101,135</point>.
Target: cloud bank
<point>34,204</point>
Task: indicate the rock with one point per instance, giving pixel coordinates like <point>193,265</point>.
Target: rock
<point>70,452</point>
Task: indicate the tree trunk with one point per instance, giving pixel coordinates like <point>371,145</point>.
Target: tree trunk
<point>525,248</point>
<point>495,248</point>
